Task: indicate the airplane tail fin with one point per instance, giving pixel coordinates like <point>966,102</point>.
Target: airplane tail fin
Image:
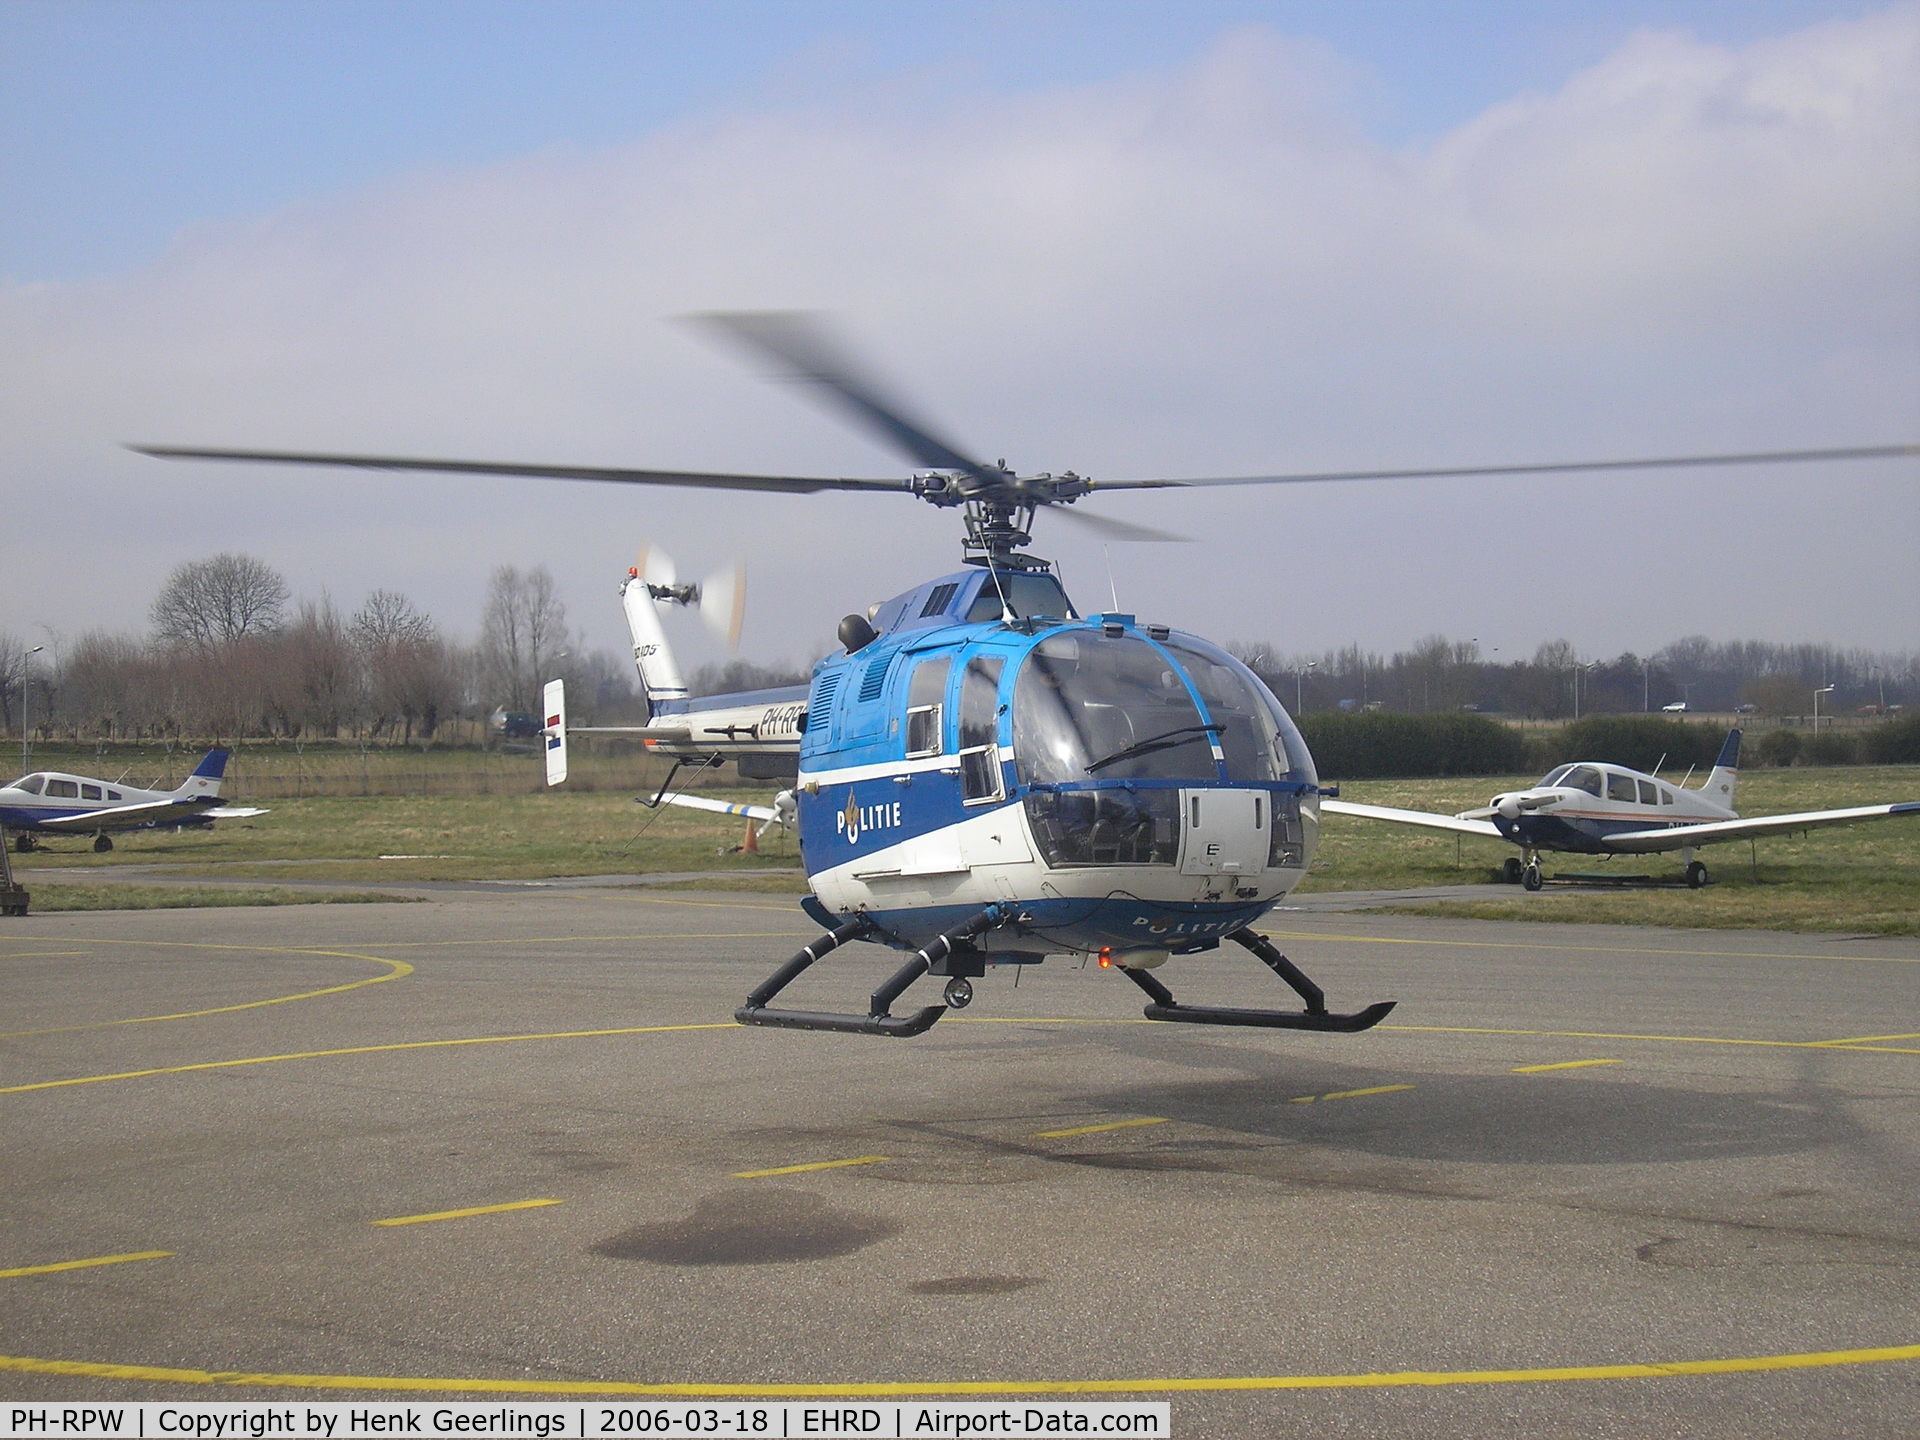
<point>1719,784</point>
<point>553,700</point>
<point>207,776</point>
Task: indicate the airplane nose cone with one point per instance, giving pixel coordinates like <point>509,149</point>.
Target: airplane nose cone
<point>1508,807</point>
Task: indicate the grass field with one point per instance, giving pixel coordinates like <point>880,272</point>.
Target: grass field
<point>1862,879</point>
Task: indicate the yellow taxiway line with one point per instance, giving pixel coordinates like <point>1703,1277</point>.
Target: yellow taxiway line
<point>84,1264</point>
<point>463,1214</point>
<point>1098,1129</point>
<point>814,1165</point>
<point>1562,1065</point>
<point>1370,1380</point>
<point>1348,1094</point>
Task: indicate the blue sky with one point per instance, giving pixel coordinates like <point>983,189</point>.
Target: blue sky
<point>124,121</point>
<point>1133,240</point>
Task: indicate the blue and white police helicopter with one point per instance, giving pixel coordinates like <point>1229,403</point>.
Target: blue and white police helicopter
<point>984,774</point>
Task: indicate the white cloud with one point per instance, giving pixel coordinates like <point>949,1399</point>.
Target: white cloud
<point>1206,271</point>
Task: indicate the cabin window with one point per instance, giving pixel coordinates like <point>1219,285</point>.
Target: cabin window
<point>1649,793</point>
<point>1620,787</point>
<point>1106,827</point>
<point>926,699</point>
<point>32,784</point>
<point>89,792</point>
<point>1028,594</point>
<point>1258,740</point>
<point>1666,796</point>
<point>62,789</point>
<point>980,729</point>
<point>114,795</point>
<point>1091,707</point>
<point>1582,777</point>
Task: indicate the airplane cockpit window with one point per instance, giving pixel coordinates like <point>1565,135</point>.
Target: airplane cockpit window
<point>1582,777</point>
<point>1094,707</point>
<point>1259,740</point>
<point>1555,775</point>
<point>62,789</point>
<point>31,784</point>
<point>1620,787</point>
<point>1029,594</point>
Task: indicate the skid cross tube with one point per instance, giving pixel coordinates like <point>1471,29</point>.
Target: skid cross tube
<point>1314,1017</point>
<point>877,1020</point>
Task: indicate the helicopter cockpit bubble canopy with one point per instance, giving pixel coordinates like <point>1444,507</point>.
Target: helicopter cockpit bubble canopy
<point>1092,706</point>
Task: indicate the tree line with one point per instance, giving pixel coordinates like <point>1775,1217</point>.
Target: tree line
<point>230,653</point>
<point>1558,682</point>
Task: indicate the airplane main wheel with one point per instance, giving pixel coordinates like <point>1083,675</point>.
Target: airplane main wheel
<point>959,993</point>
<point>1510,869</point>
<point>1531,877</point>
<point>24,845</point>
<point>1696,875</point>
<point>102,843</point>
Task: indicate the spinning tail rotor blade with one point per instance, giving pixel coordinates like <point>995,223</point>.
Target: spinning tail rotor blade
<point>723,603</point>
<point>803,350</point>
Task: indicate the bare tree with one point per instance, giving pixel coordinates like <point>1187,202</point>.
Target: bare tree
<point>216,602</point>
<point>522,630</point>
<point>411,676</point>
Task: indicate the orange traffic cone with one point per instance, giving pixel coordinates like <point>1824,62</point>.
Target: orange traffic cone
<point>751,845</point>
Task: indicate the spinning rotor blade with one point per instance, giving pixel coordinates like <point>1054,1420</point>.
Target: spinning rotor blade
<point>1770,457</point>
<point>805,351</point>
<point>1108,528</point>
<point>790,484</point>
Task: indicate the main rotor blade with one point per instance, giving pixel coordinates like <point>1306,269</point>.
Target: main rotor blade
<point>1109,528</point>
<point>790,484</point>
<point>804,350</point>
<point>1769,457</point>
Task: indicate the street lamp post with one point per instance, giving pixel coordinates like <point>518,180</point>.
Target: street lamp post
<point>1823,690</point>
<point>1299,674</point>
<point>25,689</point>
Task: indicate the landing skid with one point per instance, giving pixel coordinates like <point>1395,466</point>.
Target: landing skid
<point>878,1020</point>
<point>1314,1017</point>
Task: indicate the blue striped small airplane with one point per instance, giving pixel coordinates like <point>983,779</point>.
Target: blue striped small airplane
<point>1590,807</point>
<point>51,802</point>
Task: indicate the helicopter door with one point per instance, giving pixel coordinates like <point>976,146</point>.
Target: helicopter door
<point>1225,831</point>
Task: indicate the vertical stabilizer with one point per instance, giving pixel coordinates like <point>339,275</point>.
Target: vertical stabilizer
<point>553,701</point>
<point>207,776</point>
<point>1726,772</point>
<point>659,672</point>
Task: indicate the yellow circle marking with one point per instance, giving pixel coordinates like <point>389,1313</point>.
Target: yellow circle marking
<point>1371,1380</point>
<point>359,1050</point>
<point>396,970</point>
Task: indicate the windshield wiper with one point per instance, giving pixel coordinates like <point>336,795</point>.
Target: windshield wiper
<point>1167,740</point>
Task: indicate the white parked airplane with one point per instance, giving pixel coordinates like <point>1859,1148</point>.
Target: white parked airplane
<point>1591,808</point>
<point>52,803</point>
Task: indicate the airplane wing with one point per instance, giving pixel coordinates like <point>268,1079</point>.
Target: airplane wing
<point>231,812</point>
<point>123,817</point>
<point>1459,825</point>
<point>1680,837</point>
<point>721,807</point>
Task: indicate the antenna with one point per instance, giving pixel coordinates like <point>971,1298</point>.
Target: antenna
<point>1113,587</point>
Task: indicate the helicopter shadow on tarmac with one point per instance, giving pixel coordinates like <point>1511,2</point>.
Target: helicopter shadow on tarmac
<point>1599,1117</point>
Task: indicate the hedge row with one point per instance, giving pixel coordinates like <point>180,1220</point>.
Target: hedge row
<point>1382,745</point>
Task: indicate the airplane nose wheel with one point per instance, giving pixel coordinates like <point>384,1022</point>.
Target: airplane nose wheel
<point>1531,878</point>
<point>959,993</point>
